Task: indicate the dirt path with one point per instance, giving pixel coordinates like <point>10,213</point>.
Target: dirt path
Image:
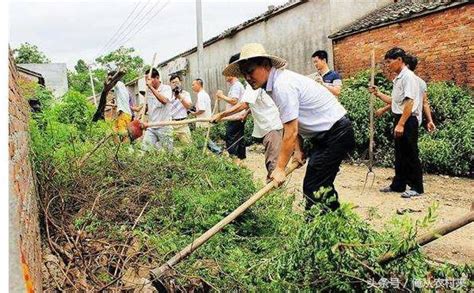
<point>454,196</point>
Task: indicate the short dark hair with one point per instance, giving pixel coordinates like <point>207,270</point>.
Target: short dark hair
<point>321,54</point>
<point>411,61</point>
<point>154,73</point>
<point>395,53</point>
<point>201,83</point>
<point>174,76</point>
<point>234,58</point>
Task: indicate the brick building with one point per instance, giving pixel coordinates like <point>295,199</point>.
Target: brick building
<point>439,33</point>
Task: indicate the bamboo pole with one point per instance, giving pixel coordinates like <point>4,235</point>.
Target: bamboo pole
<point>183,122</point>
<point>142,114</point>
<point>371,112</point>
<point>157,272</point>
<point>433,235</point>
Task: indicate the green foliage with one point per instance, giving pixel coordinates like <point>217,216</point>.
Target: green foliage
<point>80,80</point>
<point>81,66</point>
<point>449,150</point>
<point>29,53</point>
<point>182,194</point>
<point>218,131</point>
<point>126,59</point>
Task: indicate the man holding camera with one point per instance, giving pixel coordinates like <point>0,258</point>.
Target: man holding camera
<point>180,104</point>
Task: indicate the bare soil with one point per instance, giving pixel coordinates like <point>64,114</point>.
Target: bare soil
<point>453,194</point>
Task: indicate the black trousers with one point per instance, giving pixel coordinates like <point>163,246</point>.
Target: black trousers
<point>408,169</point>
<point>328,150</point>
<point>235,142</point>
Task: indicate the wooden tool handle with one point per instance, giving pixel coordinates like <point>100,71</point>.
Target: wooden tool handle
<point>183,122</point>
<point>157,272</point>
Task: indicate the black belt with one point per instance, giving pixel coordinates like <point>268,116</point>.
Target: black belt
<point>179,119</point>
<point>319,135</point>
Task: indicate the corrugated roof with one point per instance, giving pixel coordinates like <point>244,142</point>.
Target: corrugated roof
<point>393,13</point>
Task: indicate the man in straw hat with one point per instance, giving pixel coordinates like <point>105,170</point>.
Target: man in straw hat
<point>307,110</point>
<point>266,120</point>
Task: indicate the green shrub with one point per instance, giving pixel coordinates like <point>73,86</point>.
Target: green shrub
<point>218,131</point>
<point>163,201</point>
<point>450,150</point>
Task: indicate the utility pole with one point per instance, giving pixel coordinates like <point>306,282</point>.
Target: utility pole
<point>200,46</point>
<point>92,83</point>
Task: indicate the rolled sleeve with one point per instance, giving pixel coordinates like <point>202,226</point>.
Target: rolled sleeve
<point>167,93</point>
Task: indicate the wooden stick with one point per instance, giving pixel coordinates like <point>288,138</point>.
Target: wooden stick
<point>431,236</point>
<point>86,156</point>
<point>183,122</point>
<point>142,114</point>
<point>371,113</point>
<point>157,272</point>
<point>216,103</point>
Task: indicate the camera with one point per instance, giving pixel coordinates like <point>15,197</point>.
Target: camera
<point>177,90</point>
<point>193,109</point>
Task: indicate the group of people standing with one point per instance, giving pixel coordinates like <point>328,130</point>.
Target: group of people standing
<point>289,108</point>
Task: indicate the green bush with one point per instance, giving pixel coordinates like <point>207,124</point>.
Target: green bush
<point>449,150</point>
<point>125,209</point>
<point>218,131</point>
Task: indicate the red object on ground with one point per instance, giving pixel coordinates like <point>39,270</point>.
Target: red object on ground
<point>135,131</point>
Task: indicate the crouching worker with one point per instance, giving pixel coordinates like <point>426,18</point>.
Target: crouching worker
<point>266,120</point>
<point>307,110</point>
<point>124,114</point>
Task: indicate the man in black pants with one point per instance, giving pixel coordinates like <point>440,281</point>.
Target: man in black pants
<point>307,110</point>
<point>404,100</point>
<point>235,128</point>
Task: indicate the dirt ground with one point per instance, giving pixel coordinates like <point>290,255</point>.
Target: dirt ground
<point>453,194</point>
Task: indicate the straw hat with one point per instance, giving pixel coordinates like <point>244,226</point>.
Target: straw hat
<point>252,50</point>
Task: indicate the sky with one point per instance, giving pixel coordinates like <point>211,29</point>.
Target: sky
<point>70,30</point>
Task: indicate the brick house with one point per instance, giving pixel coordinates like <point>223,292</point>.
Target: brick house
<point>439,33</point>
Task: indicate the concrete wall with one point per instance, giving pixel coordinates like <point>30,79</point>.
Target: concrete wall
<point>293,34</point>
<point>442,41</point>
<point>55,76</point>
<point>24,242</point>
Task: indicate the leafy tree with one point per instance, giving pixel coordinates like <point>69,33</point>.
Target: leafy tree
<point>81,66</point>
<point>126,59</point>
<point>29,53</point>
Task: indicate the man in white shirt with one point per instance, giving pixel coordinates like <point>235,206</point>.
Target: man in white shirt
<point>404,100</point>
<point>203,110</point>
<point>180,104</point>
<point>266,122</point>
<point>307,110</point>
<point>235,128</point>
<point>203,102</point>
<point>158,98</point>
<point>124,114</point>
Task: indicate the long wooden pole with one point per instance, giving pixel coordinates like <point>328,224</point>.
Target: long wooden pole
<point>142,114</point>
<point>183,122</point>
<point>371,113</point>
<point>157,272</point>
<point>431,236</point>
<point>92,84</point>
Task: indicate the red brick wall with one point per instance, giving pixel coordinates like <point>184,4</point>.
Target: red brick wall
<point>24,226</point>
<point>442,41</point>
